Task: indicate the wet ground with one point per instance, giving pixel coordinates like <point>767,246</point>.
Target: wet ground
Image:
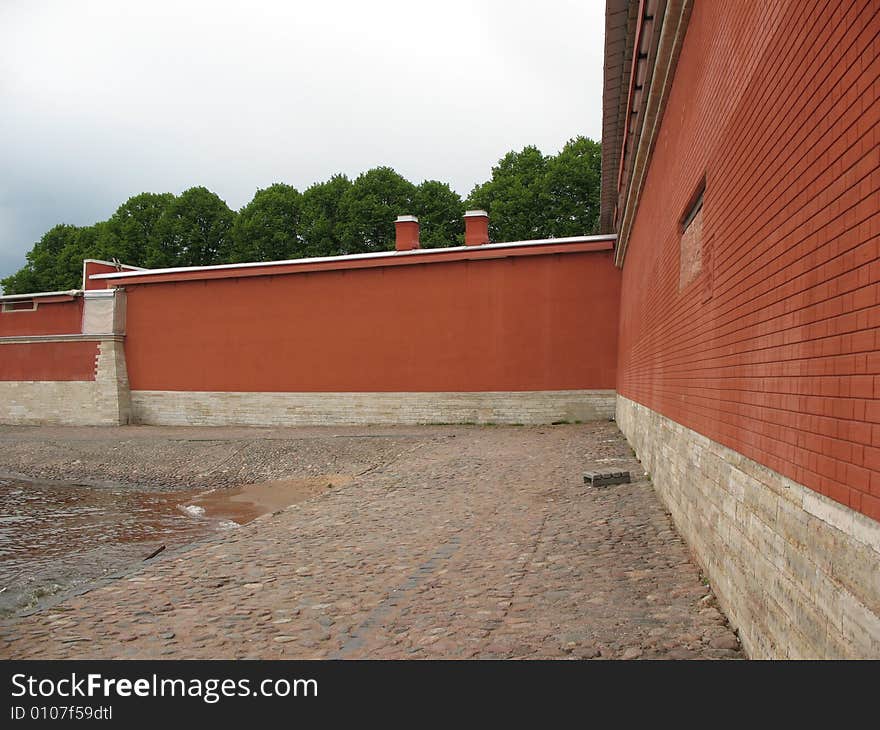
<point>447,542</point>
<point>56,537</point>
<point>84,504</point>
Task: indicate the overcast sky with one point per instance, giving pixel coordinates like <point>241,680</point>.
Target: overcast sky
<point>104,99</point>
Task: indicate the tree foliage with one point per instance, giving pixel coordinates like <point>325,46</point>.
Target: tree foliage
<point>268,228</point>
<point>572,189</point>
<point>130,233</point>
<point>515,197</point>
<point>529,195</point>
<point>55,261</point>
<point>370,206</point>
<point>193,230</point>
<point>322,216</point>
<point>440,211</point>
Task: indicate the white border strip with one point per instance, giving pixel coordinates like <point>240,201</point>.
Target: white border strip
<point>42,295</point>
<point>36,339</point>
<point>117,266</point>
<point>99,293</point>
<point>360,256</point>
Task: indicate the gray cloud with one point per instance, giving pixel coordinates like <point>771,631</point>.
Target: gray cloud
<point>103,100</point>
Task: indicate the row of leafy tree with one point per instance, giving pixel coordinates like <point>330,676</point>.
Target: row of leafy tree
<point>530,195</point>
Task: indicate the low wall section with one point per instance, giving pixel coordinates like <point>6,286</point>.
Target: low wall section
<point>520,335</point>
<point>507,333</point>
<point>70,366</point>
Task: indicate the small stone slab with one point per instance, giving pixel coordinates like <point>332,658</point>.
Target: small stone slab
<point>605,478</point>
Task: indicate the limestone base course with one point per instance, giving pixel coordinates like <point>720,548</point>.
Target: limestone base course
<point>182,408</point>
<point>798,574</point>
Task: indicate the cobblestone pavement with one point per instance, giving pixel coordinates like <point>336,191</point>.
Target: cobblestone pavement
<point>460,542</point>
<point>197,458</point>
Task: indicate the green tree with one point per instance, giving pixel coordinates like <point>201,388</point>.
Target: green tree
<point>533,196</point>
<point>48,263</point>
<point>193,230</point>
<point>529,195</point>
<point>50,258</point>
<point>130,233</point>
<point>86,243</point>
<point>321,216</point>
<point>23,281</point>
<point>440,211</point>
<point>515,197</point>
<point>370,206</point>
<point>268,228</point>
<point>572,186</point>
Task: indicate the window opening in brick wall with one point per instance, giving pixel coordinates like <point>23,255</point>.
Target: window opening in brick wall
<point>22,305</point>
<point>691,242</point>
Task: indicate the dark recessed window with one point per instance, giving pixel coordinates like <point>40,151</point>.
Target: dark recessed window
<point>22,305</point>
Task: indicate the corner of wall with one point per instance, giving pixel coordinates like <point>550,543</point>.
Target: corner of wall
<point>104,315</point>
<point>113,397</point>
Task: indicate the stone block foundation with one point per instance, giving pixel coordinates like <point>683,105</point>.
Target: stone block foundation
<point>797,574</point>
<point>187,408</point>
<point>102,401</point>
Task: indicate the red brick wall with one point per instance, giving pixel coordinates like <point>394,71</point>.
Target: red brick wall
<point>773,349</point>
<point>537,322</point>
<point>49,318</point>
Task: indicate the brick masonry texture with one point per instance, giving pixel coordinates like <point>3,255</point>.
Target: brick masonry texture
<point>798,574</point>
<point>691,253</point>
<point>100,398</point>
<point>293,409</point>
<point>772,350</point>
<point>113,403</point>
<point>39,402</point>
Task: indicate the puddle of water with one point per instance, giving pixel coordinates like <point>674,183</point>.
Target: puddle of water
<point>243,504</point>
<point>57,536</point>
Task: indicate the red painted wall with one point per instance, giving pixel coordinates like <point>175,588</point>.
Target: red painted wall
<point>95,267</point>
<point>538,322</point>
<point>90,267</point>
<point>773,350</point>
<point>48,361</point>
<point>49,318</point>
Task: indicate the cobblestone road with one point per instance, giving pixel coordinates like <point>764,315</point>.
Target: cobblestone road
<point>460,542</point>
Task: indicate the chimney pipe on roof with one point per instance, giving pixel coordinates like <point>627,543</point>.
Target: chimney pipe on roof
<point>406,230</point>
<point>476,228</point>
